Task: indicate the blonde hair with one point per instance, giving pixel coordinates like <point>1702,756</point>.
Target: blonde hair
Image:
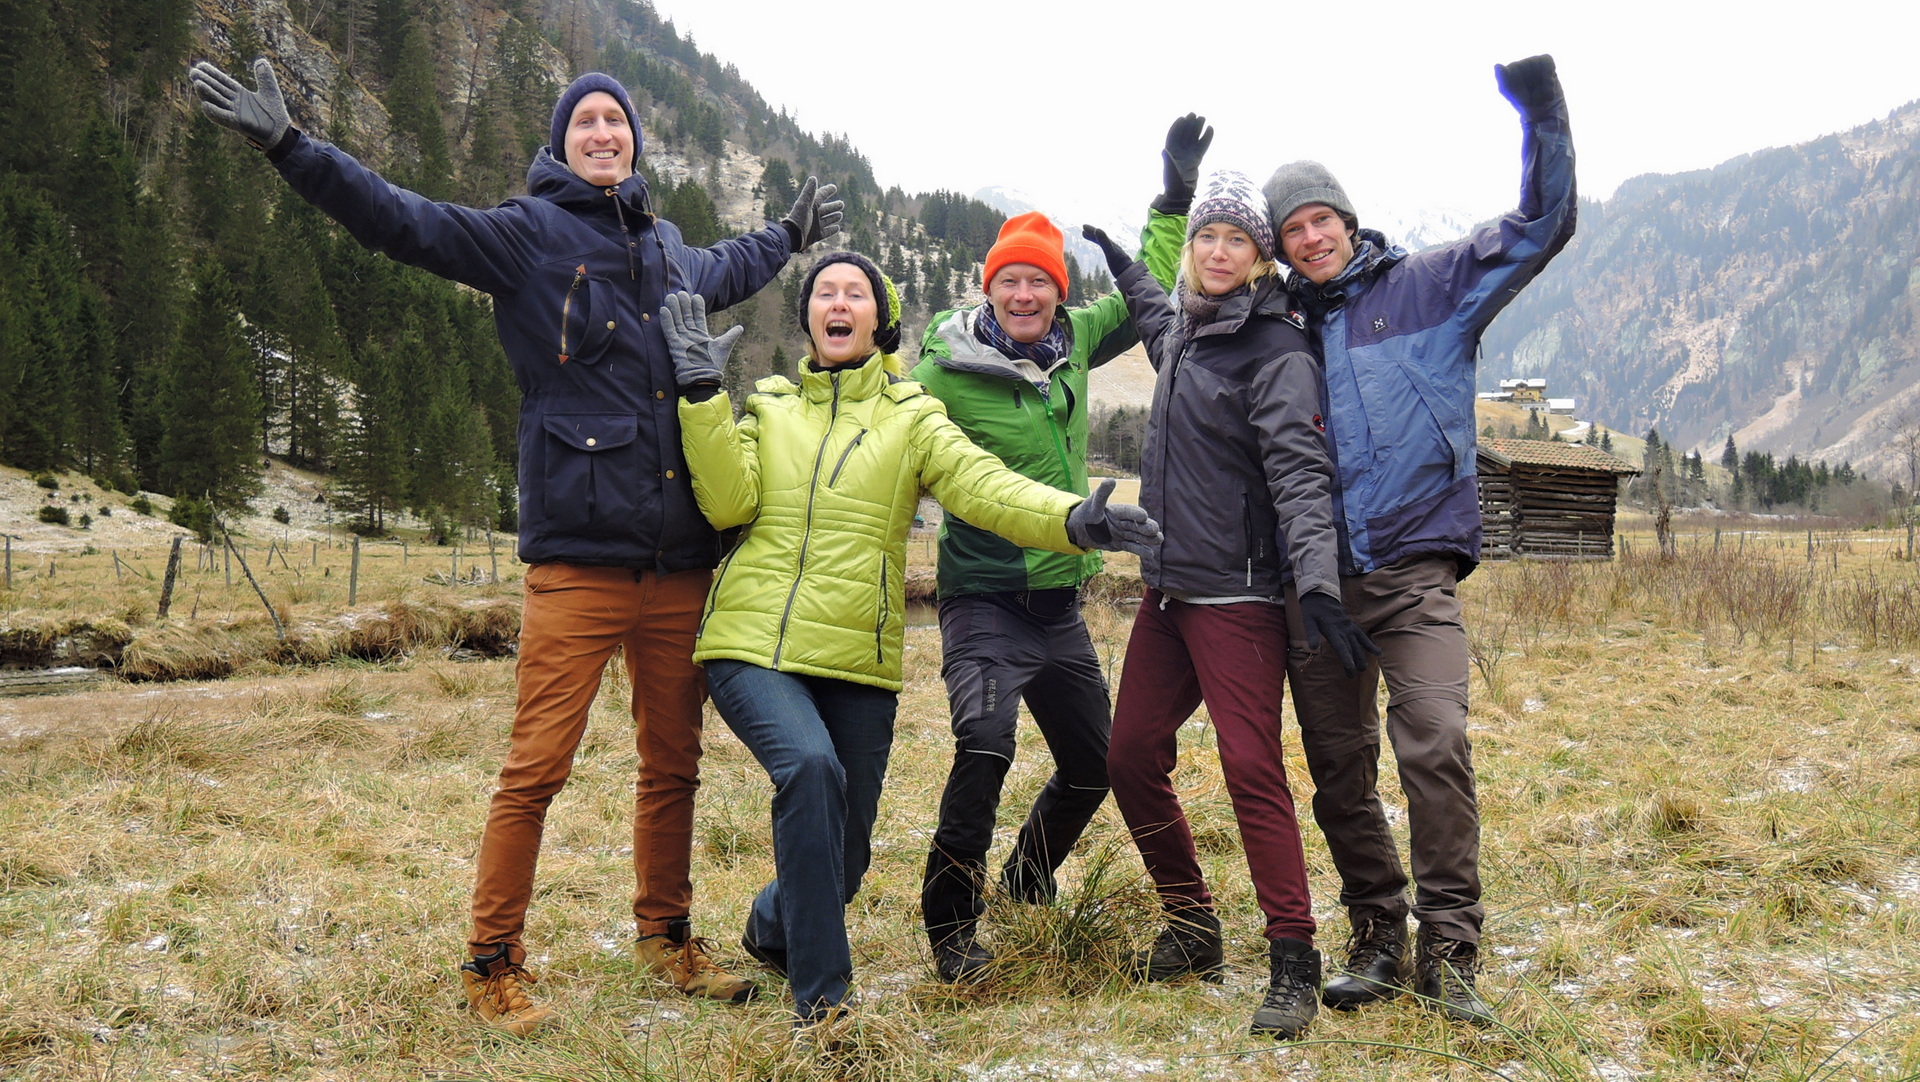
<point>1190,268</point>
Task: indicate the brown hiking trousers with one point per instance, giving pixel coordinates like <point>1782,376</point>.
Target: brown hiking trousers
<point>1411,611</point>
<point>572,621</point>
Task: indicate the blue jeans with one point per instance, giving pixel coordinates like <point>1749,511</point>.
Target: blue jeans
<point>824,742</point>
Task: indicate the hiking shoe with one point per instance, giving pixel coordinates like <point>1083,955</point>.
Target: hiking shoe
<point>681,960</point>
<point>961,958</point>
<point>1444,970</point>
<point>1293,986</point>
<point>1028,882</point>
<point>770,957</point>
<point>496,991</point>
<point>1190,943</point>
<point>1372,973</point>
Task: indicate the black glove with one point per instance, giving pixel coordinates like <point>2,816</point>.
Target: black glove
<point>1095,524</point>
<point>815,215</point>
<point>698,357</point>
<point>1187,142</point>
<point>260,115</point>
<point>1117,260</point>
<point>1326,619</point>
<point>1531,85</point>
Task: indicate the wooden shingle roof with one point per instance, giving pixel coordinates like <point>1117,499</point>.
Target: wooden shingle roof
<point>1552,454</point>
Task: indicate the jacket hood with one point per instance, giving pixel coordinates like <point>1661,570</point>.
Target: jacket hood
<point>856,380</point>
<point>549,178</point>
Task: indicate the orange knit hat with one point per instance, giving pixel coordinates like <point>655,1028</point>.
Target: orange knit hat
<point>1029,238</point>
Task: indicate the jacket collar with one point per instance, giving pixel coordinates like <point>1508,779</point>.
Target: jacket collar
<point>967,353</point>
<point>549,178</point>
<point>851,381</point>
<point>1266,298</point>
<point>1372,257</point>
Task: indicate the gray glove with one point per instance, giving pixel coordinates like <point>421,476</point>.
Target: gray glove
<point>698,357</point>
<point>815,215</point>
<point>1187,143</point>
<point>260,115</point>
<point>1531,85</point>
<point>1093,524</point>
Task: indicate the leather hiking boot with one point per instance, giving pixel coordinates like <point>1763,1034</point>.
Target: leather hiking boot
<point>1190,943</point>
<point>961,958</point>
<point>496,991</point>
<point>680,958</point>
<point>1293,990</point>
<point>1372,973</point>
<point>1444,972</point>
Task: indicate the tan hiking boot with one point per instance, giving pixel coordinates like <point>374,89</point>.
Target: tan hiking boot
<point>496,991</point>
<point>681,960</point>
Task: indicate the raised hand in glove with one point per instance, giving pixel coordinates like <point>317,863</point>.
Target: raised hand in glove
<point>1096,524</point>
<point>1326,620</point>
<point>1117,260</point>
<point>815,215</point>
<point>1187,142</point>
<point>698,357</point>
<point>260,115</point>
<point>1531,85</point>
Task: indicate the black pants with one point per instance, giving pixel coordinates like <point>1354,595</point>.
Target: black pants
<point>1000,649</point>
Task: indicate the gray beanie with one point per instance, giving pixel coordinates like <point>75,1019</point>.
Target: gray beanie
<point>1298,184</point>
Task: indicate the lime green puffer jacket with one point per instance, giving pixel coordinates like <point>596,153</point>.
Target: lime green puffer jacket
<point>825,476</point>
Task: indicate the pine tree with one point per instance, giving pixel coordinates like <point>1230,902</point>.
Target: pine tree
<point>212,409</point>
<point>413,103</point>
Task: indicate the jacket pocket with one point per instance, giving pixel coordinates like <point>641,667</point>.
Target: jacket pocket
<point>586,317</point>
<point>593,473</point>
<point>880,621</point>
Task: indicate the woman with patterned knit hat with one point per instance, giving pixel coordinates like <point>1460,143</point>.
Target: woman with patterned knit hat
<point>1235,468</point>
<point>802,633</point>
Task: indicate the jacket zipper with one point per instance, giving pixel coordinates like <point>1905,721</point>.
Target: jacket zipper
<point>844,455</point>
<point>566,307</point>
<point>806,532</point>
<point>880,625</point>
<point>1246,526</point>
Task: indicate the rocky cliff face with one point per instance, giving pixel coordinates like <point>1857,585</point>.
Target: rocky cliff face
<point>1772,298</point>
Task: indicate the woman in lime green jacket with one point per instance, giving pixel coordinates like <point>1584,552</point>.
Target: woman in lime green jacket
<point>803,630</point>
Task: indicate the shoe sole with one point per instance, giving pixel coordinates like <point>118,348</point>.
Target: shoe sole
<point>1353,1001</point>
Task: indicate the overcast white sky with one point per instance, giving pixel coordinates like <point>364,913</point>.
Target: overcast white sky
<point>1069,102</point>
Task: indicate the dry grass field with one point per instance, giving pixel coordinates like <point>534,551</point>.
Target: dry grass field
<point>1700,779</point>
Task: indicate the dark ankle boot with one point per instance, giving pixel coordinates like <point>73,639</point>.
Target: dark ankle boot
<point>1444,973</point>
<point>1190,943</point>
<point>1375,949</point>
<point>1293,987</point>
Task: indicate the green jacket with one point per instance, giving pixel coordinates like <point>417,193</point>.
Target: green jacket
<point>1041,436</point>
<point>825,476</point>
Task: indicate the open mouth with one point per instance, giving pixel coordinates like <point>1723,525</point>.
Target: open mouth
<point>839,330</point>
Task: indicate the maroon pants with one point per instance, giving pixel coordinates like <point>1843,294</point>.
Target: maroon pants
<point>1234,659</point>
<point>573,620</point>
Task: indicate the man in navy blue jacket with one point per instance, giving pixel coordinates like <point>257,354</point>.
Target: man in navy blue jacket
<point>1399,335</point>
<point>621,556</point>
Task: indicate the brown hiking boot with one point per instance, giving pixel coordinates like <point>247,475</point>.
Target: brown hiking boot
<point>681,960</point>
<point>496,990</point>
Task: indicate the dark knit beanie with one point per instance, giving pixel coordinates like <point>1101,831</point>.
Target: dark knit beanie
<point>1230,197</point>
<point>570,100</point>
<point>1302,183</point>
<point>886,335</point>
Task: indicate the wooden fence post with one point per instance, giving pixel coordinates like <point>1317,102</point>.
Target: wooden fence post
<point>173,569</point>
<point>353,576</point>
<point>279,629</point>
<point>9,539</point>
<point>493,556</point>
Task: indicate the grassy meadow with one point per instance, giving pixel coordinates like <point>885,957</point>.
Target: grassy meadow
<point>1700,780</point>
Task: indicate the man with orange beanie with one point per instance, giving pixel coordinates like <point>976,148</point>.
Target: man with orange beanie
<point>1013,374</point>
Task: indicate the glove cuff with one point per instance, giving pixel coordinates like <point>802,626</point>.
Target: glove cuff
<point>793,234</point>
<point>700,392</point>
<point>1175,204</point>
<point>284,146</point>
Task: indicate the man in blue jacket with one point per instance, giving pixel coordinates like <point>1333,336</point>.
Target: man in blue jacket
<point>1399,335</point>
<point>621,556</point>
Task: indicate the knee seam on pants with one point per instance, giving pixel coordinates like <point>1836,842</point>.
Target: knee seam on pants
<point>983,751</point>
<point>1414,695</point>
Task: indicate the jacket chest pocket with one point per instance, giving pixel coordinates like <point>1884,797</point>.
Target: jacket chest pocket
<point>586,317</point>
<point>594,473</point>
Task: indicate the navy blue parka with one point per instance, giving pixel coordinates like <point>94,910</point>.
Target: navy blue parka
<point>577,274</point>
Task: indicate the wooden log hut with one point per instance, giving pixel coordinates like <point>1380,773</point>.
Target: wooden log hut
<point>1544,498</point>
